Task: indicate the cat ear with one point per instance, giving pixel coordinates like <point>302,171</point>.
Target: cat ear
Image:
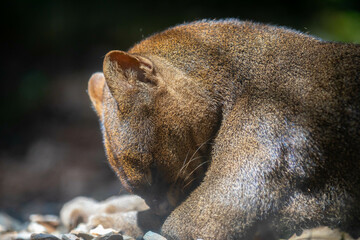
<point>95,91</point>
<point>122,70</point>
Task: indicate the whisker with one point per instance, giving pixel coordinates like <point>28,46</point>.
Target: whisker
<point>147,180</point>
<point>201,164</point>
<point>182,167</point>
<point>188,184</point>
<point>196,152</point>
<point>186,164</point>
<point>192,161</point>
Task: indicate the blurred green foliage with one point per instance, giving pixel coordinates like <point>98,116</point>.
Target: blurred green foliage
<point>339,25</point>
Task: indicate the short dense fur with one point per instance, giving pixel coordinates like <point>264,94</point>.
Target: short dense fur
<point>230,125</point>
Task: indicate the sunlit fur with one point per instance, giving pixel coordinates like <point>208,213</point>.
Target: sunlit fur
<point>234,125</point>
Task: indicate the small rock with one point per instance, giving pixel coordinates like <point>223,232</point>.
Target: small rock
<point>153,236</point>
<point>77,211</point>
<point>126,237</point>
<point>85,236</point>
<point>49,222</point>
<point>80,228</point>
<point>2,228</point>
<point>8,236</point>
<point>9,223</point>
<point>43,236</point>
<point>100,230</point>
<point>69,236</point>
<point>23,235</point>
<point>110,236</point>
<point>322,233</point>
<point>36,228</point>
<point>51,219</point>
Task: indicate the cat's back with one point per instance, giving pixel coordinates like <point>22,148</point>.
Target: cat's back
<point>247,54</point>
<point>208,39</point>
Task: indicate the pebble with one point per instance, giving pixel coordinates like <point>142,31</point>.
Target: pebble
<point>2,228</point>
<point>80,228</point>
<point>69,236</point>
<point>9,223</point>
<point>126,237</point>
<point>43,236</point>
<point>322,233</point>
<point>153,236</point>
<point>36,228</point>
<point>51,219</point>
<point>49,222</point>
<point>8,236</point>
<point>23,235</point>
<point>85,236</point>
<point>100,230</point>
<point>110,236</point>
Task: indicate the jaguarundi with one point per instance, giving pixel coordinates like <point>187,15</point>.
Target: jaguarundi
<point>226,126</point>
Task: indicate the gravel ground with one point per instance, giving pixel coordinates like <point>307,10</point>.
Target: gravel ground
<point>49,227</point>
<point>89,211</point>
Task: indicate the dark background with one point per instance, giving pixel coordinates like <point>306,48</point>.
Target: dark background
<point>50,143</point>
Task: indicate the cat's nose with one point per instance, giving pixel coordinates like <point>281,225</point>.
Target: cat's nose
<point>160,207</point>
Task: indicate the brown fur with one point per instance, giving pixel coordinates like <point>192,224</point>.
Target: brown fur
<point>229,125</point>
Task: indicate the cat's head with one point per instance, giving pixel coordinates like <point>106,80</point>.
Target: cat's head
<point>156,130</point>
